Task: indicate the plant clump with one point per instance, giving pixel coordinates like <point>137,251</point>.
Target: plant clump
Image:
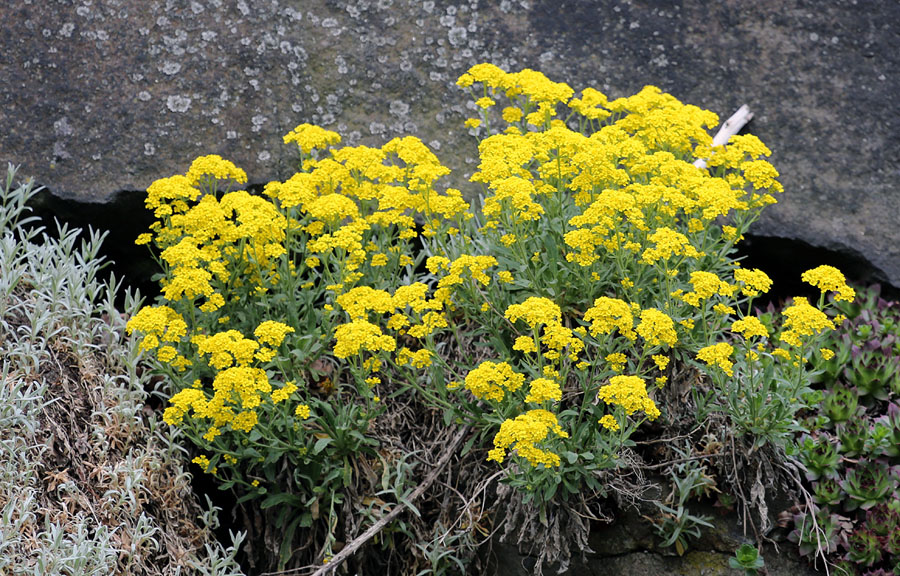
<point>850,446</point>
<point>326,341</point>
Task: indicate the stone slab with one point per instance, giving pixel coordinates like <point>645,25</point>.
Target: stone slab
<point>99,96</point>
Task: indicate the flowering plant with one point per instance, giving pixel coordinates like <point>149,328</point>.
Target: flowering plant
<point>296,326</point>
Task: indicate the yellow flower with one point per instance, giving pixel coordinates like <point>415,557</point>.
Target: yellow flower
<point>617,361</point>
<point>803,320</point>
<point>591,104</point>
<point>158,323</point>
<point>302,411</point>
<point>534,311</point>
<point>309,137</point>
<point>668,243</point>
<point>284,392</point>
<point>203,463</point>
<point>609,422</point>
<point>359,335</point>
<point>360,300</point>
<point>523,433</point>
<point>245,421</point>
<point>630,393</point>
<point>729,232</point>
<point>656,328</point>
<point>332,208</point>
<point>609,314</point>
<point>485,102</point>
<point>723,309</point>
<point>706,285</point>
<point>272,333</point>
<point>512,114</point>
<point>829,279</point>
<point>781,353</point>
<point>826,353</point>
<point>750,327</point>
<point>489,379</point>
<point>226,349</point>
<point>182,402</point>
<point>718,355</point>
<point>660,361</point>
<point>755,282</point>
<point>418,359</point>
<point>543,389</point>
<point>488,74</point>
<point>525,344</point>
<point>472,123</point>
<point>216,167</point>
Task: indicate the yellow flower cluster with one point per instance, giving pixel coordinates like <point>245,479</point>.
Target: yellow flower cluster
<point>214,167</point>
<point>668,243</point>
<point>609,314</point>
<point>753,282</point>
<point>609,422</point>
<point>803,319</point>
<point>633,177</point>
<point>539,311</point>
<point>157,324</point>
<point>360,335</point>
<point>272,333</point>
<point>630,393</point>
<point>535,311</point>
<point>706,285</point>
<point>309,137</point>
<point>489,380</point>
<point>656,328</point>
<point>419,359</point>
<point>543,389</point>
<point>621,196</point>
<point>750,327</point>
<point>239,388</point>
<point>204,242</point>
<point>830,279</point>
<point>522,433</point>
<point>410,313</point>
<point>476,266</point>
<point>718,355</point>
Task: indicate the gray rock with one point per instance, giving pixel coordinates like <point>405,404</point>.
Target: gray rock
<point>99,96</point>
<point>782,562</point>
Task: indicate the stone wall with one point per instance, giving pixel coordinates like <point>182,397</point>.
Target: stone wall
<point>99,96</point>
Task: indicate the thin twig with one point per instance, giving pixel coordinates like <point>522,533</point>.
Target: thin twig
<point>375,528</point>
<point>731,127</point>
<point>821,552</point>
<point>737,482</point>
<point>667,439</point>
<point>679,461</point>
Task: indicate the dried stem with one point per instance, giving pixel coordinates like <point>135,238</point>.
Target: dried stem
<point>731,127</point>
<point>359,541</point>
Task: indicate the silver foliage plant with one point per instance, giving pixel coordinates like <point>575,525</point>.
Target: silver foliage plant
<point>89,482</point>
